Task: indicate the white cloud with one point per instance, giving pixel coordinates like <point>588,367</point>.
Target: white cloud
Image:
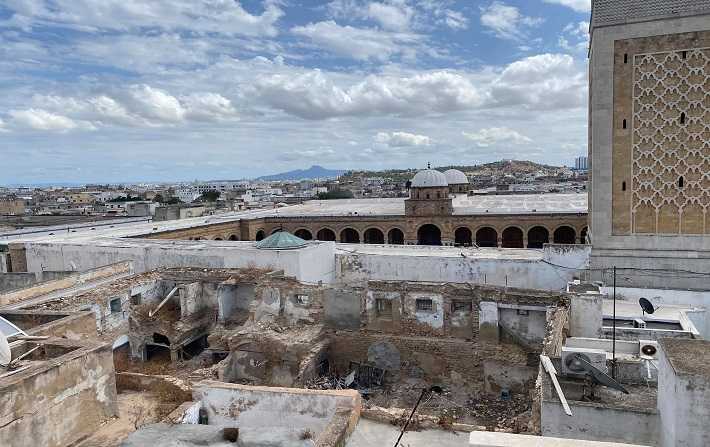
<point>455,20</point>
<point>393,16</point>
<point>3,127</point>
<point>494,135</point>
<point>577,5</point>
<point>507,22</point>
<point>402,139</point>
<point>217,16</point>
<point>40,119</point>
<point>575,37</point>
<point>356,43</point>
<point>208,107</point>
<point>313,95</point>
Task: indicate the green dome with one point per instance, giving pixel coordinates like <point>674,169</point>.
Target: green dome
<point>283,240</point>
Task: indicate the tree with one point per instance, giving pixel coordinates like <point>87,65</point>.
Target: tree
<point>209,196</point>
<point>335,194</point>
<point>158,198</point>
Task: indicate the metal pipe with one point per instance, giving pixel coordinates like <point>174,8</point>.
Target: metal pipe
<point>613,337</point>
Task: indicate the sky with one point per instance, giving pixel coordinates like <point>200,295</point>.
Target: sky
<point>174,90</point>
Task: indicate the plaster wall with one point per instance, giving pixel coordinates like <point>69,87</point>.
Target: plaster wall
<point>586,315</point>
<point>313,263</point>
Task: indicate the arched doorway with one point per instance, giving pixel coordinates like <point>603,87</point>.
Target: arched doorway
<point>395,237</point>
<point>463,236</point>
<point>233,237</point>
<point>260,235</point>
<point>349,236</point>
<point>374,236</point>
<point>565,235</point>
<point>487,237</point>
<point>513,238</point>
<point>325,234</point>
<point>429,235</point>
<point>218,239</point>
<point>537,237</point>
<point>583,235</point>
<point>303,234</point>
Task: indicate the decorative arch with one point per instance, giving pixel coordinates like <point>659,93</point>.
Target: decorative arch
<point>513,237</point>
<point>463,236</point>
<point>487,237</point>
<point>260,235</point>
<point>233,237</point>
<point>395,236</point>
<point>429,234</point>
<point>304,234</point>
<point>350,236</point>
<point>373,236</point>
<point>538,236</point>
<point>326,234</point>
<point>218,239</point>
<point>565,234</point>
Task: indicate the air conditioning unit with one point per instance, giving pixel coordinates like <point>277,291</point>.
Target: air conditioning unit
<point>639,323</point>
<point>648,349</point>
<point>571,365</point>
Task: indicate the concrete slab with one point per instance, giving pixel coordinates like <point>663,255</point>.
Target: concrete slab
<point>369,434</point>
<point>492,439</point>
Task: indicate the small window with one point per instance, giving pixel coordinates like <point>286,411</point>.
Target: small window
<point>681,182</point>
<point>684,54</point>
<point>623,186</point>
<point>303,300</point>
<point>623,124</point>
<point>523,312</point>
<point>461,306</point>
<point>682,118</point>
<point>425,305</point>
<point>427,195</point>
<point>626,58</point>
<point>115,305</point>
<point>383,308</point>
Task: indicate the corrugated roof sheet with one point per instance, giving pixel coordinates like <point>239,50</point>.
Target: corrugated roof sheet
<point>612,12</point>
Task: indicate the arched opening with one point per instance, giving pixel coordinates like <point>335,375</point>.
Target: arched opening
<point>583,235</point>
<point>487,237</point>
<point>395,237</point>
<point>325,234</point>
<point>303,234</point>
<point>349,236</point>
<point>233,237</point>
<point>374,236</point>
<point>429,235</point>
<point>565,235</point>
<point>513,238</point>
<point>537,237</point>
<point>463,236</point>
<point>260,235</point>
<point>218,239</point>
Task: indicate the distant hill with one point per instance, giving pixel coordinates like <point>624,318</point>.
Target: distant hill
<point>313,172</point>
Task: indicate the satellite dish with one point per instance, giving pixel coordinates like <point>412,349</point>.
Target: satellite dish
<point>579,361</point>
<point>5,352</point>
<point>646,306</point>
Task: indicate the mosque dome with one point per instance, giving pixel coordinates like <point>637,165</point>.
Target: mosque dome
<point>429,178</point>
<point>282,240</point>
<point>456,177</point>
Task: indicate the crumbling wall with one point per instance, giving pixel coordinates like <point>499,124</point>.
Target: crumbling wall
<point>59,401</point>
<point>441,360</point>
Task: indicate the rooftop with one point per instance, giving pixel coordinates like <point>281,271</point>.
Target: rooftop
<point>687,357</point>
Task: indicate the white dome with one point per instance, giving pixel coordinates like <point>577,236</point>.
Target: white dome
<point>456,177</point>
<point>429,178</point>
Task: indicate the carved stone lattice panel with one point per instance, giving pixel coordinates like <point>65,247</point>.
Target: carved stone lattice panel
<point>671,143</point>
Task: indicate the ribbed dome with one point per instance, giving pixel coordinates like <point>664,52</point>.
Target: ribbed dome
<point>456,177</point>
<point>429,178</point>
<point>283,240</point>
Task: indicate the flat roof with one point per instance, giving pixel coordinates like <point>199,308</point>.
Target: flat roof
<point>687,356</point>
<point>528,254</point>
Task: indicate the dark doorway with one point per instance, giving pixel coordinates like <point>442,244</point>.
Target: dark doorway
<point>233,237</point>
<point>395,237</point>
<point>487,237</point>
<point>513,238</point>
<point>583,235</point>
<point>303,234</point>
<point>374,236</point>
<point>429,235</point>
<point>325,234</point>
<point>157,353</point>
<point>537,237</point>
<point>195,347</point>
<point>260,235</point>
<point>463,236</point>
<point>349,236</point>
<point>565,235</point>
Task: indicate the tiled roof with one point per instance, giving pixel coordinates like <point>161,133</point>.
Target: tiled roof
<point>612,12</point>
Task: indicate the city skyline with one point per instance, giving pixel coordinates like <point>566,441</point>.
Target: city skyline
<point>249,88</point>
